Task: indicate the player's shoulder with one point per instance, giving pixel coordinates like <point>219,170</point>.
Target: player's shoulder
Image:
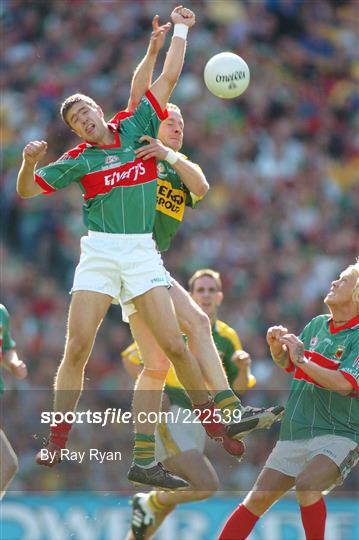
<point>3,311</point>
<point>184,156</point>
<point>120,116</point>
<point>226,331</point>
<point>4,314</point>
<point>132,348</point>
<point>132,353</point>
<point>318,323</point>
<point>320,320</point>
<point>74,153</point>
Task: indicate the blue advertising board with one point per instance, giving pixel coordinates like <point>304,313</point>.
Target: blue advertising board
<point>106,517</point>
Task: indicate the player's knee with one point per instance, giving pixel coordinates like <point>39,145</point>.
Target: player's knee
<point>175,348</point>
<point>11,468</point>
<point>196,323</point>
<point>305,482</point>
<point>258,501</point>
<point>77,350</point>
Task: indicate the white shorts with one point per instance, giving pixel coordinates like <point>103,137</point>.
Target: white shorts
<point>130,309</point>
<point>291,457</point>
<point>123,266</point>
<point>174,438</point>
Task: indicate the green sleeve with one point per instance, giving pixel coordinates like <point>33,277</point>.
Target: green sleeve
<point>60,173</point>
<point>7,342</point>
<point>306,334</point>
<point>147,117</point>
<point>350,362</point>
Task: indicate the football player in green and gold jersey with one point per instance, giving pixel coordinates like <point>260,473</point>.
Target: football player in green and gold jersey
<point>180,444</point>
<point>181,183</point>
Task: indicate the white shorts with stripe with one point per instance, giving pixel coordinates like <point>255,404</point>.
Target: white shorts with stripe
<point>123,266</point>
<point>174,438</point>
<point>291,457</point>
<point>129,308</point>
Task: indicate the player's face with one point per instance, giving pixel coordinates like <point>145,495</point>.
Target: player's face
<point>87,121</point>
<point>171,130</point>
<point>206,294</point>
<point>341,290</point>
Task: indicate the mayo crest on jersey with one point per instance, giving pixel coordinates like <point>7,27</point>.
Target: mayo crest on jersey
<point>119,190</point>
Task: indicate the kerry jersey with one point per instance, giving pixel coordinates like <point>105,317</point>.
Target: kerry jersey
<point>312,410</point>
<point>226,341</point>
<point>172,198</point>
<point>119,190</point>
<point>6,341</point>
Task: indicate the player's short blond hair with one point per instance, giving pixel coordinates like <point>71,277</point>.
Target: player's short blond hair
<point>173,107</point>
<point>208,272</point>
<point>354,269</point>
<point>71,100</point>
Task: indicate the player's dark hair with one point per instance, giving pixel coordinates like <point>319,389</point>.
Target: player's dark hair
<point>205,272</point>
<point>71,100</point>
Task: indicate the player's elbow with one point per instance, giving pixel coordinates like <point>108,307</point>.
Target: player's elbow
<point>26,193</point>
<point>203,189</point>
<point>170,78</point>
<point>23,193</point>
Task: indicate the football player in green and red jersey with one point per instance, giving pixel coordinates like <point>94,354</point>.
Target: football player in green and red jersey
<point>10,360</point>
<point>319,438</point>
<point>119,262</point>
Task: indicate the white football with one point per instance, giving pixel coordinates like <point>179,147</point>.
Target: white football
<point>226,75</point>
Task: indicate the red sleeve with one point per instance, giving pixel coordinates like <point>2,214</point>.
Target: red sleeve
<point>47,189</point>
<point>350,379</point>
<point>291,366</point>
<point>162,114</point>
<point>121,115</point>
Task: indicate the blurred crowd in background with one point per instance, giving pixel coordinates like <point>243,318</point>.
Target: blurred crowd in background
<point>281,218</point>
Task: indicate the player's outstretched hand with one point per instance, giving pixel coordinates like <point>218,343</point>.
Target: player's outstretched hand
<point>242,359</point>
<point>34,151</point>
<point>274,335</point>
<point>158,35</point>
<point>182,15</point>
<point>154,148</point>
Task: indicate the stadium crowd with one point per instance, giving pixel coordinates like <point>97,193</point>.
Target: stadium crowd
<point>280,220</point>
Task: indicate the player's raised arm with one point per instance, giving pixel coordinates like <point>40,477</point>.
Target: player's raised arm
<point>142,77</point>
<point>26,185</point>
<point>183,19</point>
<point>190,173</point>
<point>328,378</point>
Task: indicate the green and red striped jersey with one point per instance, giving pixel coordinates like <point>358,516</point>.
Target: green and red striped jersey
<point>312,410</point>
<point>6,341</point>
<point>119,190</point>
